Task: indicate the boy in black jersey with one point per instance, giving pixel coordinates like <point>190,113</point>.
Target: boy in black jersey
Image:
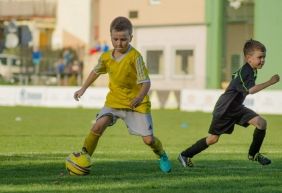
<point>229,109</point>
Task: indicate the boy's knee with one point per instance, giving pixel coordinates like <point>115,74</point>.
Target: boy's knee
<point>98,129</point>
<point>148,140</point>
<point>262,123</point>
<point>101,124</point>
<point>212,139</point>
<point>258,122</point>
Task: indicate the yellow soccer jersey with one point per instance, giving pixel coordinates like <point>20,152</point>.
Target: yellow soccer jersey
<point>126,73</point>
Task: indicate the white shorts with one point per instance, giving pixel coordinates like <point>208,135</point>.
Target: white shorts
<point>137,123</point>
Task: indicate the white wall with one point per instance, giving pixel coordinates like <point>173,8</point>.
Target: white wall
<point>169,38</point>
<point>73,16</point>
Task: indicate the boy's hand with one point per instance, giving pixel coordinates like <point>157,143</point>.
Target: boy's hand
<point>274,79</point>
<point>135,102</point>
<point>78,94</point>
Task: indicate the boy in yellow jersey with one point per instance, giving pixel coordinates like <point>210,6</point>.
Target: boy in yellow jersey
<point>127,99</point>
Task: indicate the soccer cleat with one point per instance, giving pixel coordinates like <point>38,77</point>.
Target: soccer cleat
<point>260,159</point>
<point>165,165</point>
<point>185,161</point>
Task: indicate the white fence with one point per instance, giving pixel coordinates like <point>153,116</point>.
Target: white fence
<point>269,102</point>
<point>51,96</point>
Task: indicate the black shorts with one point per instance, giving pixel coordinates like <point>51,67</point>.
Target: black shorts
<point>225,124</point>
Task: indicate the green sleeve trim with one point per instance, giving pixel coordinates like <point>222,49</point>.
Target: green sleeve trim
<point>242,79</point>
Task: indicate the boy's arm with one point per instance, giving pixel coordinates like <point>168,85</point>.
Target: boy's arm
<point>143,92</point>
<point>90,79</point>
<point>274,79</point>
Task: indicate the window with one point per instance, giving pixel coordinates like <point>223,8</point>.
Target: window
<point>155,61</point>
<point>133,14</point>
<point>3,61</point>
<point>184,62</point>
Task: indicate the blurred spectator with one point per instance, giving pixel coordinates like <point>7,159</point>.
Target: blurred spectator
<point>68,56</point>
<point>36,59</point>
<point>60,66</point>
<point>75,67</point>
<point>60,70</point>
<point>76,70</point>
<point>105,47</point>
<point>80,51</point>
<point>25,35</point>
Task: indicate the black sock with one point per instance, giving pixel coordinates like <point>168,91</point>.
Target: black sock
<point>195,148</point>
<point>258,137</point>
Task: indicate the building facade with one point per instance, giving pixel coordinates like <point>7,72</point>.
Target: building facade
<point>171,35</point>
<point>194,44</point>
<point>229,24</point>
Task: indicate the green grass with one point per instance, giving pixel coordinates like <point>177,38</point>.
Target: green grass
<point>33,150</point>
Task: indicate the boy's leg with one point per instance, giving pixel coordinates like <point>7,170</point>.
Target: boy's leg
<point>91,140</point>
<point>186,155</point>
<point>142,124</point>
<point>258,137</point>
<point>155,144</point>
<point>217,126</point>
<point>196,148</point>
<point>157,148</point>
<point>200,145</point>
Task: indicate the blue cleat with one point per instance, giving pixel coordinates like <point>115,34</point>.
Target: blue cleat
<point>165,165</point>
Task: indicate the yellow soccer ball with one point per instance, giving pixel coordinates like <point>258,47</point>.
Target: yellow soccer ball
<point>78,164</point>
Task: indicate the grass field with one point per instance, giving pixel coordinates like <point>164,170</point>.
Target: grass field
<point>36,141</point>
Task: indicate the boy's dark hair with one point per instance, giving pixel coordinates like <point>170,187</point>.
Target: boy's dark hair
<point>252,45</point>
<point>121,24</point>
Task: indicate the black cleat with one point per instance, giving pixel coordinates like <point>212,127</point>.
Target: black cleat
<point>185,161</point>
<point>260,159</point>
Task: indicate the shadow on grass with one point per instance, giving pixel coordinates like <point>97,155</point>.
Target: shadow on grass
<point>46,173</point>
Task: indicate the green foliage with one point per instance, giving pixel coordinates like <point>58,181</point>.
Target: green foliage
<point>35,142</point>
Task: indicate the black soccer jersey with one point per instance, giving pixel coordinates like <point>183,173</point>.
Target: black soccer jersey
<point>237,90</point>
